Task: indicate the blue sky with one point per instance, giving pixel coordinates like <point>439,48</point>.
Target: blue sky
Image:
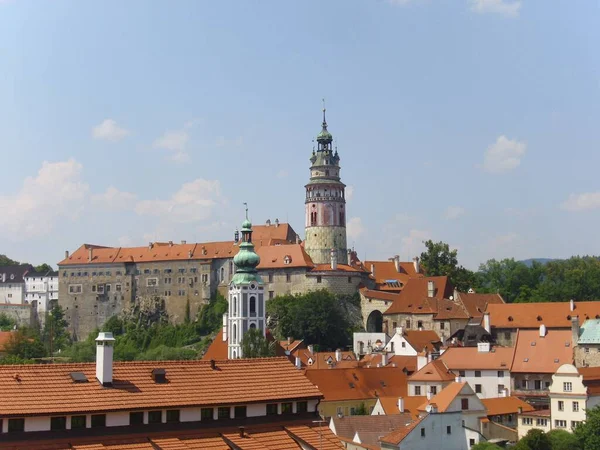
<point>475,122</point>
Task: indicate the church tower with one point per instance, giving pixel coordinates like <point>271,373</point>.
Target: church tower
<point>246,295</point>
<point>325,205</point>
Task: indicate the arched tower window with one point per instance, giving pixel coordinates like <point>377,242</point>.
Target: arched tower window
<point>252,306</point>
<point>341,218</point>
<point>252,326</point>
<point>222,274</point>
<point>234,333</point>
<point>235,306</point>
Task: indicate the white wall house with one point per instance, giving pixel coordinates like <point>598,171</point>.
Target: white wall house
<point>568,398</point>
<point>41,289</point>
<point>12,284</point>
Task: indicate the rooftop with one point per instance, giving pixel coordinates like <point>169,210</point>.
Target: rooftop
<point>385,272</point>
<point>505,405</point>
<point>535,354</point>
<point>476,303</point>
<point>532,315</point>
<point>369,428</point>
<point>49,389</point>
<point>590,332</point>
<point>444,398</point>
<point>469,358</point>
<point>422,340</point>
<point>436,370</point>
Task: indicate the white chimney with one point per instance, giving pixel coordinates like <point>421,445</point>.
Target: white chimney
<point>268,222</point>
<point>276,222</point>
<point>333,259</point>
<point>455,295</point>
<point>311,349</point>
<point>225,319</point>
<point>421,361</point>
<point>338,355</point>
<point>400,331</point>
<point>428,357</point>
<point>483,347</point>
<point>572,305</point>
<point>416,264</point>
<point>542,330</point>
<point>104,358</point>
<point>397,263</point>
<point>430,289</point>
<point>400,404</point>
<point>90,254</point>
<point>183,242</point>
<point>457,379</point>
<point>170,243</point>
<point>384,359</point>
<point>486,322</point>
<point>373,269</point>
<point>429,395</point>
<point>298,363</point>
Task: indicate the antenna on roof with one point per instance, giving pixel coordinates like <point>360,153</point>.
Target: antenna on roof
<point>246,205</point>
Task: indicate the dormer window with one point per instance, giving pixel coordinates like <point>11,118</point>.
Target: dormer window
<point>287,259</point>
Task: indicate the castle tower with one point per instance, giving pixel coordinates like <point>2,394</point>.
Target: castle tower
<point>246,295</point>
<point>325,205</point>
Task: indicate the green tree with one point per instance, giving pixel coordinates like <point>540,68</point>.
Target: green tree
<point>43,268</point>
<point>535,439</point>
<point>255,345</point>
<point>574,278</point>
<point>361,410</point>
<point>210,317</point>
<point>6,261</point>
<point>55,335</point>
<point>24,344</point>
<point>317,317</point>
<point>6,323</point>
<point>439,260</point>
<point>513,280</point>
<point>485,446</point>
<point>588,433</point>
<point>563,440</point>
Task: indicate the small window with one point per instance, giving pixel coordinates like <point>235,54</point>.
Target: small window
<point>224,412</point>
<point>422,432</point>
<point>271,295</point>
<point>288,277</point>
<point>301,407</point>
<point>448,429</point>
<point>561,405</point>
<point>575,406</point>
<point>240,412</point>
<point>286,408</point>
<point>419,324</point>
<point>270,278</point>
<point>417,390</point>
<point>501,374</point>
<point>271,409</point>
<point>58,423</point>
<point>16,425</point>
<point>567,386</point>
<point>172,415</point>
<point>319,278</point>
<point>136,418</point>
<point>78,422</point>
<point>507,335</point>
<point>478,373</point>
<point>206,414</point>
<point>442,325</point>
<point>98,420</point>
<point>500,388</point>
<point>433,390</point>
<point>461,373</point>
<point>464,404</point>
<point>478,389</point>
<point>154,416</point>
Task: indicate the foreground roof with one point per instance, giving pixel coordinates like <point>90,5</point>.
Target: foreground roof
<point>49,389</point>
<point>535,354</point>
<point>369,428</point>
<point>282,256</point>
<point>532,315</point>
<point>397,436</point>
<point>505,405</point>
<point>469,358</point>
<point>411,404</point>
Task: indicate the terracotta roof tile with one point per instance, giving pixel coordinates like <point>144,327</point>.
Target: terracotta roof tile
<point>532,315</point>
<point>401,361</point>
<point>505,405</point>
<point>190,383</point>
<point>422,340</point>
<point>369,428</point>
<point>469,358</point>
<point>379,295</point>
<point>436,370</point>
<point>411,404</point>
<point>275,256</point>
<point>535,354</point>
<point>325,360</point>
<point>386,270</point>
<point>217,350</point>
<point>395,437</point>
<point>340,267</point>
<point>359,383</point>
<point>477,303</point>
<point>444,398</point>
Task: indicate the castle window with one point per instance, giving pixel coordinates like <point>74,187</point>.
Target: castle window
<point>235,306</point>
<point>252,306</point>
<point>234,333</point>
<point>319,278</point>
<point>341,218</point>
<point>222,274</point>
<point>288,277</point>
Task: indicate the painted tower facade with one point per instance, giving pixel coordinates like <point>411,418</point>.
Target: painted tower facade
<point>246,295</point>
<point>325,205</point>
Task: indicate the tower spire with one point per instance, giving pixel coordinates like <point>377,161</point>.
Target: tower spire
<point>324,120</point>
<point>246,205</point>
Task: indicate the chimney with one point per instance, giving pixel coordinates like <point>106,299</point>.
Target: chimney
<point>373,269</point>
<point>298,363</point>
<point>338,355</point>
<point>241,432</point>
<point>543,331</point>
<point>333,259</point>
<point>104,358</point>
<point>213,364</point>
<point>189,254</point>
<point>575,329</point>
<point>483,347</point>
<point>290,340</point>
<point>384,359</point>
<point>572,305</point>
<point>486,322</point>
<point>430,289</point>
<point>276,222</point>
<point>66,254</point>
<point>311,349</point>
<point>455,295</point>
<point>225,317</point>
<point>397,263</point>
<point>170,243</point>
<point>400,404</point>
<point>520,410</point>
<point>150,245</point>
<point>428,357</point>
<point>90,254</point>
<point>429,395</point>
<point>268,222</point>
<point>183,242</point>
<point>416,264</point>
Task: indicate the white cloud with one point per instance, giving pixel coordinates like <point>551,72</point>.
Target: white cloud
<point>194,201</point>
<point>503,155</point>
<point>175,142</point>
<point>56,193</point>
<point>108,130</point>
<point>413,243</point>
<point>582,202</point>
<point>282,173</point>
<point>354,227</point>
<point>349,193</point>
<point>113,199</point>
<point>454,212</point>
<point>503,7</point>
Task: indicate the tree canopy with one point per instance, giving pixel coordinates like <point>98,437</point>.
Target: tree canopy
<point>563,440</point>
<point>588,432</point>
<point>439,260</point>
<point>485,446</point>
<point>255,345</point>
<point>535,439</point>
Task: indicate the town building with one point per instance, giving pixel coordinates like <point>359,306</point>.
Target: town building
<point>41,292</point>
<point>501,423</point>
<point>363,432</point>
<point>586,341</point>
<point>393,274</point>
<point>430,379</point>
<point>398,405</point>
<point>12,283</point>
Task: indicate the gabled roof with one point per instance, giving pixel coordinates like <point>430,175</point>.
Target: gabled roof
<point>444,398</point>
<point>590,332</point>
<point>369,428</point>
<point>411,404</point>
<point>535,354</point>
<point>469,358</point>
<point>359,383</point>
<point>282,256</point>
<point>293,345</point>
<point>405,362</point>
<point>379,295</point>
<point>505,405</point>
<point>436,370</point>
<point>340,268</point>
<point>476,303</point>
<point>385,272</point>
<point>532,315</point>
<point>15,273</point>
<point>422,340</point>
<point>217,349</point>
<point>397,436</point>
<point>49,389</point>
<point>325,360</point>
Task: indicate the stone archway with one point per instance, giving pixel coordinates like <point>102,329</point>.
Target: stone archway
<point>375,322</point>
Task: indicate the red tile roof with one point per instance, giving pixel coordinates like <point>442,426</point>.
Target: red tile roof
<point>532,315</point>
<point>436,370</point>
<point>217,350</point>
<point>422,340</point>
<point>469,358</point>
<point>325,360</point>
<point>397,436</point>
<point>411,404</point>
<point>369,428</point>
<point>340,267</point>
<point>359,383</point>
<point>476,304</point>
<point>444,398</point>
<point>535,354</point>
<point>386,270</point>
<point>49,389</point>
<point>275,256</point>
<point>401,361</point>
<point>505,405</point>
<point>378,295</point>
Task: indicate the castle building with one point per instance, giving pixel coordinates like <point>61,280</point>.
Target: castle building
<point>325,212</point>
<point>246,295</point>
